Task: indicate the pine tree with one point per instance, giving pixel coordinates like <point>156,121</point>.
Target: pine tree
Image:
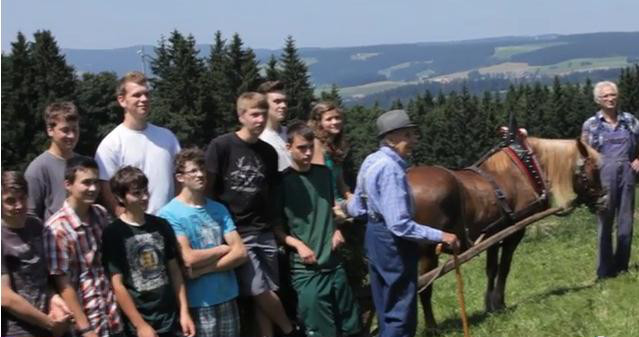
<point>396,104</point>
<point>243,72</point>
<point>554,115</point>
<point>236,59</point>
<point>332,95</point>
<point>478,131</point>
<point>37,75</point>
<point>222,117</point>
<point>98,108</point>
<point>575,113</point>
<point>629,90</point>
<point>178,97</point>
<point>361,132</point>
<point>536,104</point>
<point>17,96</point>
<point>296,81</point>
<point>53,80</point>
<point>272,70</point>
<point>250,71</point>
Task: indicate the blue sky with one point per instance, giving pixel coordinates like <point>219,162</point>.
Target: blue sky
<point>99,24</point>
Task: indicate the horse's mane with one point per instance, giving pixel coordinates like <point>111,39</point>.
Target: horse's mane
<point>557,158</point>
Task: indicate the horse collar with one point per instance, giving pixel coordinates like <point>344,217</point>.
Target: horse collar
<point>526,161</point>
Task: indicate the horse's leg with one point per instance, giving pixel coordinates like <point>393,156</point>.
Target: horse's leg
<point>427,263</point>
<point>508,250</point>
<point>491,273</point>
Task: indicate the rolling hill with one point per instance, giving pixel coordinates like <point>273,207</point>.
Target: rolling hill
<point>368,70</point>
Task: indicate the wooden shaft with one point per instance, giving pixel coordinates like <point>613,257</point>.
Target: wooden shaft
<point>460,295</point>
<point>427,278</point>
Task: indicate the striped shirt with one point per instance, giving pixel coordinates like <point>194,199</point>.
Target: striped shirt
<point>73,248</point>
<point>595,126</point>
<point>382,191</point>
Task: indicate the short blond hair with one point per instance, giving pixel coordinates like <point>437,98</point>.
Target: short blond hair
<point>251,100</point>
<point>133,76</point>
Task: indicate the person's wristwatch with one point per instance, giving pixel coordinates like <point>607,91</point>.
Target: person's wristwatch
<point>82,331</point>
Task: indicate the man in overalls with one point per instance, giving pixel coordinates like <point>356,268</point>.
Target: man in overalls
<point>382,194</point>
<point>614,134</point>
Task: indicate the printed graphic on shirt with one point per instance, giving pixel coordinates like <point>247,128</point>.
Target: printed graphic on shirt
<point>206,230</point>
<point>145,257</point>
<point>247,175</point>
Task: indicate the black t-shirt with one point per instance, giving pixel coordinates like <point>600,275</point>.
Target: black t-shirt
<point>23,260</point>
<point>244,175</point>
<point>142,254</point>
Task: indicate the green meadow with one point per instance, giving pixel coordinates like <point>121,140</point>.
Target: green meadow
<point>551,290</point>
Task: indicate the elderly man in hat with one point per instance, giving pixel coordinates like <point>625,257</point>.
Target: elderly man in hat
<point>391,234</point>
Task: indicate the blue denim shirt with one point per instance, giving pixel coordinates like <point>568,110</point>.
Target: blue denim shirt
<point>382,190</point>
<point>594,127</point>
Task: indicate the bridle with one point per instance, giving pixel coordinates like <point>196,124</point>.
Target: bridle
<point>589,194</point>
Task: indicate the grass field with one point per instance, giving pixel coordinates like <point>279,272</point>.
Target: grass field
<point>551,290</point>
<point>370,88</point>
<point>506,52</point>
<point>509,69</point>
<point>584,64</point>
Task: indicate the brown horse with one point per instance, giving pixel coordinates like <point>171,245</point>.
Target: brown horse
<point>464,202</point>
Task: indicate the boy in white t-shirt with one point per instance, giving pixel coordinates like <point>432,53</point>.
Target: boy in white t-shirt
<point>140,144</point>
<point>274,132</point>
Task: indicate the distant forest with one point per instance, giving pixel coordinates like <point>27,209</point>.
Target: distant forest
<point>476,85</point>
<point>194,97</point>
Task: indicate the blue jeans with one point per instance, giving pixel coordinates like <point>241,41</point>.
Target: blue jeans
<point>393,277</point>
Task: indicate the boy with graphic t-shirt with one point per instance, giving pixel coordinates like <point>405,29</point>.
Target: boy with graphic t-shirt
<point>142,260</point>
<point>210,246</point>
<point>29,307</point>
<point>325,300</point>
<point>242,170</point>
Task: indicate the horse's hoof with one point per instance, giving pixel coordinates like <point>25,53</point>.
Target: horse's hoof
<point>493,304</point>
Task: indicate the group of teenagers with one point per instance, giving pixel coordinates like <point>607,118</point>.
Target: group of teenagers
<point>149,239</point>
<point>180,235</point>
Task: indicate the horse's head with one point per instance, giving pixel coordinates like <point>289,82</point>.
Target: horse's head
<point>586,181</point>
<point>572,171</point>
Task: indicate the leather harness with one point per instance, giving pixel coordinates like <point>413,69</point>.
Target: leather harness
<point>523,157</point>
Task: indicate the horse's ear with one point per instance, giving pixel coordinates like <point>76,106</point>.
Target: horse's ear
<point>582,148</point>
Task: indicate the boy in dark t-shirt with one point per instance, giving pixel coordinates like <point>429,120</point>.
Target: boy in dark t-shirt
<point>242,171</point>
<point>140,255</point>
<point>26,294</point>
<point>325,300</point>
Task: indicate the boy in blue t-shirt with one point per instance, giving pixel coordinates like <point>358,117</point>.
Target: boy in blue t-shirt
<point>210,246</point>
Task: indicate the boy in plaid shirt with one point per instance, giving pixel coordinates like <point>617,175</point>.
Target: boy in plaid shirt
<point>73,245</point>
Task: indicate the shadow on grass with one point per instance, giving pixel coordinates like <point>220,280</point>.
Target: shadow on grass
<point>452,324</point>
<point>559,292</point>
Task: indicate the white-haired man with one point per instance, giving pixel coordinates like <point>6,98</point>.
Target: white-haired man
<point>614,134</point>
